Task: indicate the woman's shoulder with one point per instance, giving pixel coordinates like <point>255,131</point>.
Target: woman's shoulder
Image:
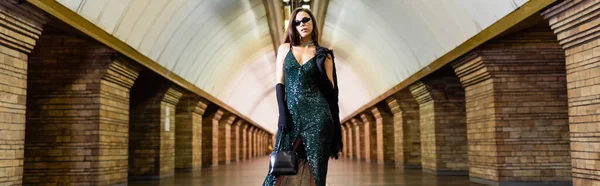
<point>284,47</point>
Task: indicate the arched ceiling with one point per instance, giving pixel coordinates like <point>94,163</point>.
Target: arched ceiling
<point>224,46</point>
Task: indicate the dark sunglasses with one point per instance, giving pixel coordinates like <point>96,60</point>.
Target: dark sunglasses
<point>304,20</point>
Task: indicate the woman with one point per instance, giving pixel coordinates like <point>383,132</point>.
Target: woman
<point>307,97</point>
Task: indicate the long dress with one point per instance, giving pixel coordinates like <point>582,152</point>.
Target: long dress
<point>311,120</point>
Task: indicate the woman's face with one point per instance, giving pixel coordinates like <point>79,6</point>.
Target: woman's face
<point>304,24</point>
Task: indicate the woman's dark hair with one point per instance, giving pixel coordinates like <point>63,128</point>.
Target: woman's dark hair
<point>293,37</point>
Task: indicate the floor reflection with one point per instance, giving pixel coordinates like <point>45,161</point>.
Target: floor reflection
<point>341,173</point>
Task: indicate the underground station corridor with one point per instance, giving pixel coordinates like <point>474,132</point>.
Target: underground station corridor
<point>188,92</point>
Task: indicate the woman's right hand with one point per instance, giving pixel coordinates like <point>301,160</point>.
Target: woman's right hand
<point>282,123</point>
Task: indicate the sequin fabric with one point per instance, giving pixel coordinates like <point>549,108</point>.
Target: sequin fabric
<point>311,118</point>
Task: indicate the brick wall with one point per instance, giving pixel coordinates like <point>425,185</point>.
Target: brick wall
<point>516,100</point>
<point>370,130</point>
<point>251,130</point>
<point>575,24</point>
<point>344,141</point>
<point>19,34</point>
<point>77,113</point>
<point>385,134</point>
<point>236,141</point>
<point>151,140</point>
<point>405,112</point>
<point>359,136</point>
<point>210,136</point>
<point>398,139</point>
<point>411,128</point>
<point>225,138</point>
<point>351,140</point>
<point>188,132</point>
<point>443,124</point>
<point>245,141</point>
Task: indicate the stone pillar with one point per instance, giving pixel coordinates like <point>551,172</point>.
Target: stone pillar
<point>443,124</point>
<point>251,142</point>
<point>575,24</point>
<point>370,130</point>
<point>210,136</point>
<point>77,113</point>
<point>264,144</point>
<point>237,141</point>
<point>245,140</point>
<point>351,140</point>
<point>152,127</point>
<point>386,143</point>
<point>188,132</point>
<point>21,26</point>
<point>261,148</point>
<point>516,97</point>
<point>255,142</point>
<point>225,138</point>
<point>359,136</point>
<point>405,113</point>
<point>344,141</point>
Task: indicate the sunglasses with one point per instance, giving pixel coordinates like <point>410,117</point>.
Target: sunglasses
<point>304,20</point>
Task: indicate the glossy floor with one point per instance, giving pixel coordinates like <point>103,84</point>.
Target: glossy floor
<point>341,173</point>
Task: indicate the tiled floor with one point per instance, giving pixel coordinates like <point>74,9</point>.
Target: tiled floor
<point>341,173</point>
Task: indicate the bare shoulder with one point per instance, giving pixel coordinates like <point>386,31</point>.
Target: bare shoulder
<point>283,47</point>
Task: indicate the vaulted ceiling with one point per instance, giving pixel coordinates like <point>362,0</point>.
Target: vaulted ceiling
<point>224,47</point>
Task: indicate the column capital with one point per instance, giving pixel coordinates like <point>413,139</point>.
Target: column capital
<point>367,116</point>
<point>356,122</point>
<point>22,25</point>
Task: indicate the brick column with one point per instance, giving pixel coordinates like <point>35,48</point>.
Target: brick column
<point>443,124</point>
<point>245,140</point>
<point>237,141</point>
<point>344,141</point>
<point>351,140</point>
<point>386,143</point>
<point>77,113</point>
<point>255,142</point>
<point>188,132</point>
<point>261,143</point>
<point>575,24</point>
<point>359,137</point>
<point>405,113</point>
<point>225,138</point>
<point>516,101</point>
<point>251,142</point>
<point>370,132</point>
<point>19,34</point>
<point>210,136</point>
<point>152,127</point>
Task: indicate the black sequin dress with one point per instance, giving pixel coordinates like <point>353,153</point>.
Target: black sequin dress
<point>311,118</point>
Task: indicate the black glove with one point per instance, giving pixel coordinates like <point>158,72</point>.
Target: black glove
<point>282,123</point>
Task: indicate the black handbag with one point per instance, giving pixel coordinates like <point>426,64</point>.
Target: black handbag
<point>283,162</point>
